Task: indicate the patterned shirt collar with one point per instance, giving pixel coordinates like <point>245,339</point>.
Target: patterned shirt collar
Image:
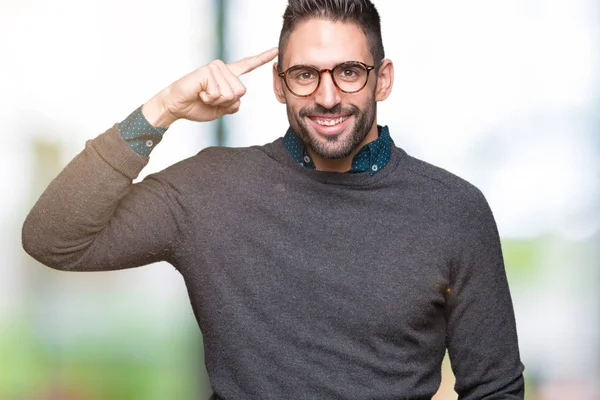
<point>371,157</point>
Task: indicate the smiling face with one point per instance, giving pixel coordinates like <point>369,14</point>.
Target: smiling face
<point>333,125</point>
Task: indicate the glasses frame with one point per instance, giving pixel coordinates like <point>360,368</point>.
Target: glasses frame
<point>369,68</point>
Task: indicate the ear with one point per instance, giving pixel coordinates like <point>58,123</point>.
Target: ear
<point>278,85</point>
<point>385,80</point>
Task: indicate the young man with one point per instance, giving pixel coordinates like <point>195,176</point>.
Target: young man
<point>328,264</point>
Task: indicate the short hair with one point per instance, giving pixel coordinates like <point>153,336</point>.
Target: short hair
<point>360,12</point>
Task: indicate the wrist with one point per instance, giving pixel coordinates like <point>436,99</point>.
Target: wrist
<point>157,114</point>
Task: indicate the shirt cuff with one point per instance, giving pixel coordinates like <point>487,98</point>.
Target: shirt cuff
<point>139,134</point>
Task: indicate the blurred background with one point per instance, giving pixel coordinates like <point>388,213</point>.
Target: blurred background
<point>505,93</point>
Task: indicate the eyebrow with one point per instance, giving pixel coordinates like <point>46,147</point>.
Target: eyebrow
<point>318,68</point>
<point>303,65</point>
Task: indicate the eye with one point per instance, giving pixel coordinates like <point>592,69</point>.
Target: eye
<point>349,73</point>
<point>303,74</point>
<point>306,75</point>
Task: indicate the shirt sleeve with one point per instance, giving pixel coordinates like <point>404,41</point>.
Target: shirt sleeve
<point>481,330</point>
<point>139,134</point>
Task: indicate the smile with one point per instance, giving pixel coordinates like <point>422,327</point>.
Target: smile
<point>330,122</point>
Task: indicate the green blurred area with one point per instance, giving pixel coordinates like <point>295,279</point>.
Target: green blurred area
<point>522,257</point>
<point>121,366</point>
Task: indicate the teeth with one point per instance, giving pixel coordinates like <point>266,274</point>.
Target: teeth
<point>331,122</point>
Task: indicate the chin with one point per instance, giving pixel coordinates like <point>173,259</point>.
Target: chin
<point>333,147</point>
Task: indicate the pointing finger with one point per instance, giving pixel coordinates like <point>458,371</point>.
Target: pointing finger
<point>248,64</point>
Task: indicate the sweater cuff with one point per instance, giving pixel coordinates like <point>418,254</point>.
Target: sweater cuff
<point>117,153</point>
<point>139,134</point>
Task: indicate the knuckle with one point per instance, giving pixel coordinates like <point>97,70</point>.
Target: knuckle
<point>217,63</point>
<point>203,72</point>
<point>233,107</point>
<point>250,64</point>
<point>240,91</point>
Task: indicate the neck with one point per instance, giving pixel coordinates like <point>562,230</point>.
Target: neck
<point>342,164</point>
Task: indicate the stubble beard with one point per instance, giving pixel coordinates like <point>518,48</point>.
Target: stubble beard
<point>334,146</point>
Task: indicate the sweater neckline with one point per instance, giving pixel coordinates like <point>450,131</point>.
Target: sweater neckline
<point>277,151</point>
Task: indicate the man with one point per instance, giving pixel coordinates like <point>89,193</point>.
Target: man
<point>328,264</point>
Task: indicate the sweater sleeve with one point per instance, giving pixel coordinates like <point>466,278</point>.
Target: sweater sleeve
<point>92,217</point>
<point>481,329</point>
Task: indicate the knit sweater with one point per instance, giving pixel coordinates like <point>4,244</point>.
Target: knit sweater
<point>306,284</point>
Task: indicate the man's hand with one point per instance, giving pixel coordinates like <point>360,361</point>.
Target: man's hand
<point>205,94</point>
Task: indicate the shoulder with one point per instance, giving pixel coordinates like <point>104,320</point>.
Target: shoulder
<point>214,159</point>
<point>443,185</point>
<point>455,203</point>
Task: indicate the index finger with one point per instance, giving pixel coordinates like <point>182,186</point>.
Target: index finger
<point>248,64</point>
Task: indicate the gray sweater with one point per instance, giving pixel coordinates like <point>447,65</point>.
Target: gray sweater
<point>306,284</point>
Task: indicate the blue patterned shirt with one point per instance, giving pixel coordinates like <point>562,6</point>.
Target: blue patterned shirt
<point>371,157</point>
<point>139,134</point>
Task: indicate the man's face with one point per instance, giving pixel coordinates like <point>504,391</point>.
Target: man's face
<point>331,123</point>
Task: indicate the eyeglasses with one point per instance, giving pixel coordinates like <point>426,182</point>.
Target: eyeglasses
<point>349,77</point>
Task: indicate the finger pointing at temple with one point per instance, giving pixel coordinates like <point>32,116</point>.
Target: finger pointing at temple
<point>248,64</point>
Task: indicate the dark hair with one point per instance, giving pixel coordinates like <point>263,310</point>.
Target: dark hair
<point>361,12</point>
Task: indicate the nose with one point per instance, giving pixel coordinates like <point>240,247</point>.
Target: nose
<point>327,95</point>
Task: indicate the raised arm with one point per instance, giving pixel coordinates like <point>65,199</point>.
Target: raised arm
<point>92,216</point>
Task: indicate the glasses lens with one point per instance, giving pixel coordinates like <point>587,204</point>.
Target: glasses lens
<point>302,80</point>
<point>350,77</point>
